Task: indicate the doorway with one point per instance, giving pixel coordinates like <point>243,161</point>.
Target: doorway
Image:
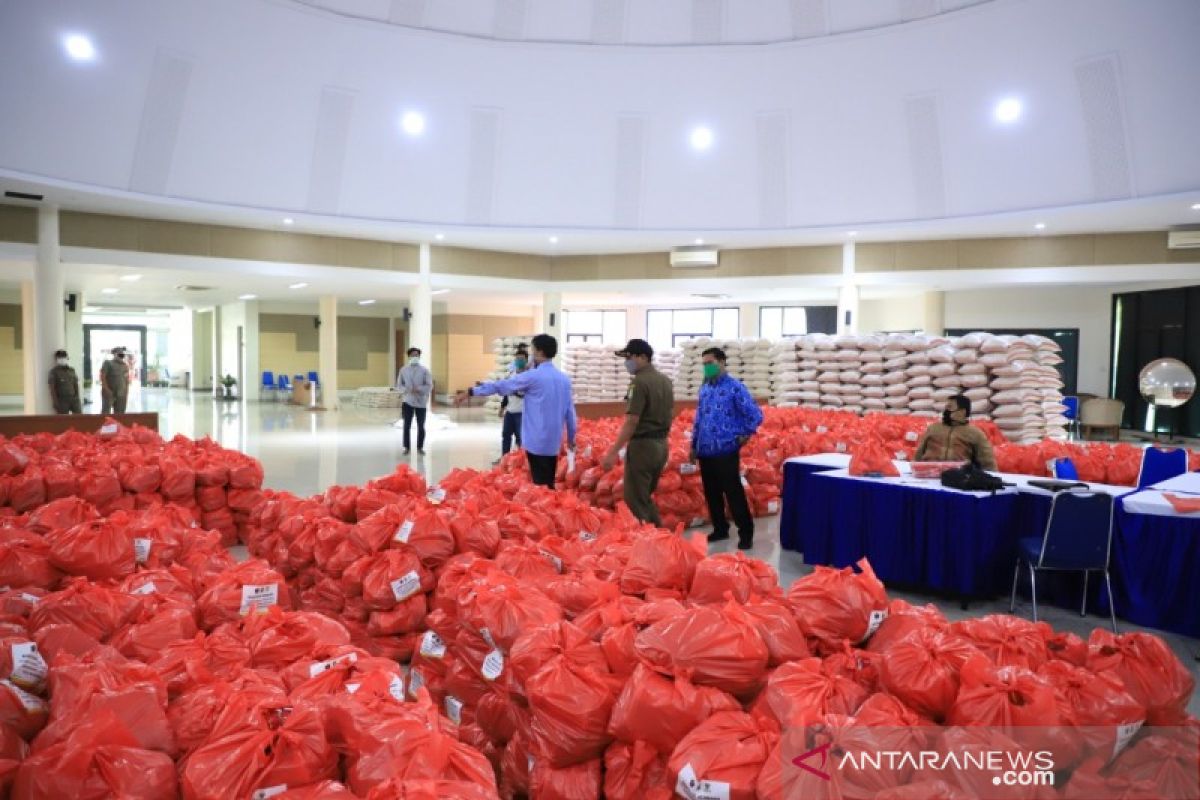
<point>98,344</point>
<point>401,346</point>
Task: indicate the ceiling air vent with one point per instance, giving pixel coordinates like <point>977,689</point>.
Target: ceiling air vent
<point>1183,240</point>
<point>186,288</point>
<point>37,198</point>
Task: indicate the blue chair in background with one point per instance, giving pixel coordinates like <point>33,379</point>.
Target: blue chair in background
<point>1072,414</point>
<point>1078,538</point>
<point>268,385</point>
<point>312,378</point>
<point>1160,464</point>
<point>1064,469</point>
<point>282,386</point>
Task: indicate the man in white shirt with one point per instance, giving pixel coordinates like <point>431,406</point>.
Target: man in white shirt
<point>513,405</point>
<point>415,383</point>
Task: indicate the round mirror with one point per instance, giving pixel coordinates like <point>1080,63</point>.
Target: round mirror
<point>1167,382</point>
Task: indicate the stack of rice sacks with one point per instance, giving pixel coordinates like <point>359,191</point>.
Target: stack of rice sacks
<point>667,362</point>
<point>808,364</point>
<point>596,373</point>
<point>754,365</point>
<point>690,374</point>
<point>784,359</point>
<point>871,374</point>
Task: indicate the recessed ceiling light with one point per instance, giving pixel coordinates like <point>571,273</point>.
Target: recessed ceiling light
<point>439,236</point>
<point>1041,226</point>
<point>699,241</point>
<point>1008,110</point>
<point>109,290</point>
<point>79,47</point>
<point>288,221</point>
<point>298,285</point>
<point>553,240</point>
<point>440,291</point>
<point>701,138</point>
<point>852,233</point>
<point>247,296</point>
<point>1195,206</point>
<point>131,278</point>
<point>366,302</point>
<point>413,123</point>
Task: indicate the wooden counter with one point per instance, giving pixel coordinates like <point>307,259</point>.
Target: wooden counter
<point>616,408</point>
<point>61,423</point>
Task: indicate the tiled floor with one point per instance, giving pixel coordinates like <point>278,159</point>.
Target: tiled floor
<point>306,451</point>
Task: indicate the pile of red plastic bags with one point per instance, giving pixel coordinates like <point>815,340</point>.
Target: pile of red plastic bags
<point>485,637</point>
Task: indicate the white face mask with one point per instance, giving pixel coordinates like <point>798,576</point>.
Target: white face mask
<point>631,366</point>
<point>62,362</point>
<point>414,360</point>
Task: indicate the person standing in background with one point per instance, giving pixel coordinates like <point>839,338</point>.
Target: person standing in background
<point>64,386</point>
<point>415,383</point>
<point>644,434</point>
<point>114,383</point>
<point>513,405</point>
<point>549,408</point>
<point>726,417</point>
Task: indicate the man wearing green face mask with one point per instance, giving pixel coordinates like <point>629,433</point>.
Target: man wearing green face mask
<point>726,416</point>
<point>512,407</point>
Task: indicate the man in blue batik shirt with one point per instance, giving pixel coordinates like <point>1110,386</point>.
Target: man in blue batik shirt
<point>726,417</point>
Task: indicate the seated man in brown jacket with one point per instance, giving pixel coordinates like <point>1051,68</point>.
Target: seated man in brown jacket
<point>954,439</point>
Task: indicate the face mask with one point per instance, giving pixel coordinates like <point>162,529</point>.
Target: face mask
<point>711,371</point>
<point>414,360</point>
<point>630,366</point>
<point>62,362</point>
<point>519,363</point>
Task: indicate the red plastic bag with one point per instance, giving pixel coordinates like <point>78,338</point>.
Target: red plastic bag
<point>98,550</point>
<point>539,646</point>
<point>1149,669</point>
<point>1096,703</point>
<point>779,629</point>
<point>923,669</point>
<point>719,646</point>
<point>27,491</point>
<point>61,514</point>
<point>570,708</point>
<point>429,537</point>
<point>732,573</point>
<point>194,714</point>
<point>392,577</point>
<point>322,790</point>
<point>1066,646</point>
<point>661,711</point>
<point>13,750</point>
<point>664,561</point>
<point>279,638</point>
<point>1007,640</point>
<point>21,710</point>
<point>249,588</point>
<point>400,789</point>
<point>728,751</point>
<point>833,605</point>
<point>903,619</point>
<point>506,610</point>
<point>635,772</point>
<point>145,640</point>
<point>95,610</point>
<point>25,560</point>
<point>873,458</point>
<point>1002,697</point>
<point>577,782</point>
<point>801,693</point>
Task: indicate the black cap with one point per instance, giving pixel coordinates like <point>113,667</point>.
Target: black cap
<point>637,347</point>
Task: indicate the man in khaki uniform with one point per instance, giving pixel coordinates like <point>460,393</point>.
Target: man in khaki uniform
<point>114,383</point>
<point>64,386</point>
<point>644,434</point>
<point>954,439</point>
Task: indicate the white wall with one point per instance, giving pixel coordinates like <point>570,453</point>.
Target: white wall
<point>1084,307</point>
<point>232,316</point>
<point>179,344</point>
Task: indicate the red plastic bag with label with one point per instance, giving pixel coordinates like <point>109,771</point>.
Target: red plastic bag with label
<point>1096,703</point>
<point>570,707</point>
<point>506,610</point>
<point>430,537</point>
<point>922,670</point>
<point>635,772</point>
<point>1151,672</point>
<point>719,646</point>
<point>660,711</point>
<point>249,588</point>
<point>902,619</point>
<point>538,646</point>
<point>874,459</point>
<point>662,560</point>
<point>392,577</point>
<point>836,604</point>
<point>728,750</point>
<point>98,550</point>
<point>735,574</point>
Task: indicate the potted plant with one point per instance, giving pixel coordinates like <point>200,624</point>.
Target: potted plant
<point>229,382</point>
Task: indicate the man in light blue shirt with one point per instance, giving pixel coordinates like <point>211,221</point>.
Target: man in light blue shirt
<point>549,407</point>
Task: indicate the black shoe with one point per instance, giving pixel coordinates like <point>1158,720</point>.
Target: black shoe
<point>407,451</point>
<point>745,544</point>
<point>718,537</point>
<point>421,450</point>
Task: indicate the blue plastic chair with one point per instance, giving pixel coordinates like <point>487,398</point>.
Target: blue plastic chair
<point>1078,538</point>
<point>282,387</point>
<point>268,383</point>
<point>1064,469</point>
<point>312,378</point>
<point>1072,413</point>
<point>1160,464</point>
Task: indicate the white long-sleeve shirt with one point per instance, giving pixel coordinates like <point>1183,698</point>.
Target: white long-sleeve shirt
<point>415,383</point>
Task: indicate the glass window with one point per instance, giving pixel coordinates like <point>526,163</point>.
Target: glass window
<point>658,329</point>
<point>725,323</point>
<point>595,327</point>
<point>781,322</point>
<point>670,328</point>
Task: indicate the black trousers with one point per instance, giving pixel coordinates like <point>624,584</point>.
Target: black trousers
<point>542,469</point>
<point>511,430</point>
<point>409,413</point>
<point>722,479</point>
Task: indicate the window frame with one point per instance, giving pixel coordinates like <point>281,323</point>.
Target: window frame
<point>783,334</point>
<point>677,337</point>
<point>593,336</point>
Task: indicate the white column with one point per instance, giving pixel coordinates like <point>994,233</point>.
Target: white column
<point>935,313</point>
<point>49,322</point>
<point>253,387</point>
<point>29,374</point>
<point>552,310</point>
<point>748,320</point>
<point>420,325</point>
<point>218,358</point>
<point>847,322</point>
<point>328,352</point>
<point>74,334</point>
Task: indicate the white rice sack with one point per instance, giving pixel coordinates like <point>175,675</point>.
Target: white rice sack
<point>921,405</point>
<point>892,353</point>
<point>943,354</point>
<point>974,381</point>
<point>895,364</point>
<point>1011,396</point>
<point>830,387</point>
<point>917,358</point>
<point>829,376</point>
<point>874,391</point>
<point>896,390</point>
<point>971,340</point>
<point>810,386</point>
<point>891,378</point>
<point>981,407</point>
<point>1000,384</point>
<point>993,345</point>
<point>942,395</point>
<point>871,380</point>
<point>896,402</point>
<point>872,404</point>
<point>831,400</point>
<point>972,369</point>
<point>966,356</point>
<point>850,376</point>
<point>976,394</point>
<point>1007,411</point>
<point>918,369</point>
<point>872,368</point>
<point>920,393</point>
<point>919,380</point>
<point>993,360</point>
<point>807,374</point>
<point>942,370</point>
<point>949,382</point>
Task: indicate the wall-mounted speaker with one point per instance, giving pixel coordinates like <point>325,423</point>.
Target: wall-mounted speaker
<point>316,322</point>
<point>70,302</point>
<point>552,319</point>
<point>407,315</point>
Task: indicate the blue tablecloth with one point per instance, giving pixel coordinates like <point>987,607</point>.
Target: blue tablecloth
<point>1156,570</point>
<point>790,513</point>
<point>945,541</point>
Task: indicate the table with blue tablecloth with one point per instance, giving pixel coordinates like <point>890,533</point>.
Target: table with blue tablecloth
<point>794,471</point>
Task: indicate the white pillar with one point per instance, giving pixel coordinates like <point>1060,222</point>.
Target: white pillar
<point>49,322</point>
<point>847,321</point>
<point>253,387</point>
<point>328,352</point>
<point>552,320</point>
<point>935,313</point>
<point>420,327</point>
<point>28,354</point>
<point>74,335</point>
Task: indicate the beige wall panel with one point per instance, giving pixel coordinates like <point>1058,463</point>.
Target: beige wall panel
<point>926,255</point>
<point>467,360</point>
<point>406,257</point>
<point>1050,251</point>
<point>875,257</point>
<point>18,224</point>
<point>12,363</point>
<point>375,373</point>
<point>101,231</point>
<point>1140,248</point>
<point>734,264</point>
<point>439,345</point>
<point>363,253</point>
<point>175,238</point>
<point>277,352</point>
<point>465,261</point>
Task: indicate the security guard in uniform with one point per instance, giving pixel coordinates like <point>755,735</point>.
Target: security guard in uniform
<point>114,383</point>
<point>644,434</point>
<point>64,386</point>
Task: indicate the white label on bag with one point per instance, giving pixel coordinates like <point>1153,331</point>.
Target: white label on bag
<point>270,791</point>
<point>28,667</point>
<point>146,588</point>
<point>1124,734</point>
<point>840,447</point>
<point>745,482</point>
<point>353,687</point>
<point>570,461</point>
<point>486,635</point>
<point>692,788</point>
<point>772,506</point>
<point>529,763</point>
<point>325,666</point>
<point>432,645</point>
<point>404,531</point>
<point>688,468</point>
<point>257,598</point>
<point>493,665</point>
<point>405,587</point>
<point>454,709</point>
<point>109,429</point>
<point>415,682</point>
<point>621,453</point>
<point>874,621</point>
<point>587,536</point>
<point>396,688</point>
<point>822,429</point>
<point>901,455</point>
<point>436,495</point>
<point>141,550</point>
<point>555,560</point>
<point>31,702</point>
<point>911,436</point>
<point>32,599</point>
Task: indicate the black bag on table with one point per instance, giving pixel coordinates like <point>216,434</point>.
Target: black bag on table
<point>971,478</point>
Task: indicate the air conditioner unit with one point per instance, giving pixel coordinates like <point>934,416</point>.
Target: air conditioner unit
<point>691,257</point>
<point>1183,240</point>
